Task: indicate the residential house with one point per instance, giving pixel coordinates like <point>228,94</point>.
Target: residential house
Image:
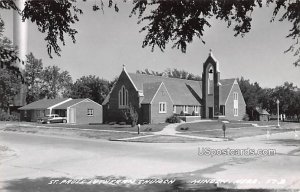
<point>77,111</point>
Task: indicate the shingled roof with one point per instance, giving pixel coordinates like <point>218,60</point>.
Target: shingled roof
<point>225,87</point>
<point>68,104</point>
<point>42,104</point>
<point>149,90</point>
<point>182,91</point>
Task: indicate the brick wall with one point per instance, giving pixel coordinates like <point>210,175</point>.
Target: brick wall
<point>229,106</point>
<point>161,96</point>
<point>114,113</point>
<point>82,110</point>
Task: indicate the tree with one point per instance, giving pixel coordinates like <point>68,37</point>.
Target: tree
<point>7,51</point>
<point>113,82</point>
<point>33,78</point>
<point>252,94</point>
<point>173,73</point>
<point>182,20</point>
<point>267,100</point>
<point>55,83</point>
<point>9,87</point>
<point>91,87</point>
<point>130,115</point>
<point>167,21</point>
<point>296,105</point>
<point>287,97</point>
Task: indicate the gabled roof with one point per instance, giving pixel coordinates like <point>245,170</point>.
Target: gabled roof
<point>262,111</point>
<point>68,104</point>
<point>42,104</point>
<point>225,88</point>
<point>182,91</point>
<point>149,91</point>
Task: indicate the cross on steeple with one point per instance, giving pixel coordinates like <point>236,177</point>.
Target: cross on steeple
<point>210,52</point>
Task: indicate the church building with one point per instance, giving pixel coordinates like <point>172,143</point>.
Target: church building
<point>155,98</point>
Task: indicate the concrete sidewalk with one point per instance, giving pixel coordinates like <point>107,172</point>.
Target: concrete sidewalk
<point>170,130</point>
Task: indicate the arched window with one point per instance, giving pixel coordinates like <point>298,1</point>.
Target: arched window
<point>123,97</point>
<point>210,80</point>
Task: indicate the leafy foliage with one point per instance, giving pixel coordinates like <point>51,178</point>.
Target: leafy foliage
<point>180,21</point>
<point>177,21</point>
<point>55,83</point>
<point>8,53</point>
<point>173,119</point>
<point>255,96</point>
<point>33,78</point>
<point>130,115</point>
<point>54,18</point>
<point>173,73</point>
<point>9,87</point>
<point>90,87</point>
<point>4,116</point>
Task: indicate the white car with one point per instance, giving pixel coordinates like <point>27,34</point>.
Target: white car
<point>53,118</point>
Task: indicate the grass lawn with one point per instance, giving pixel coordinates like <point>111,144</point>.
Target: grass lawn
<point>230,133</point>
<point>291,125</point>
<point>234,129</point>
<point>74,133</point>
<point>116,127</point>
<point>200,126</point>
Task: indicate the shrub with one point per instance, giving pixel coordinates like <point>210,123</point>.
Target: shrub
<point>122,123</point>
<point>173,119</point>
<point>4,116</point>
<point>130,115</point>
<point>246,117</point>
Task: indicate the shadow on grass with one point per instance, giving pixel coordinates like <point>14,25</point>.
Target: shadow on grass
<point>287,142</point>
<point>42,185</point>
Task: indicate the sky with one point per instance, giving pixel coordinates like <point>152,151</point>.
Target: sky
<point>106,41</point>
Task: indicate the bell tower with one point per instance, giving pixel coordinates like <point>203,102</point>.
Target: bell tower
<point>210,87</point>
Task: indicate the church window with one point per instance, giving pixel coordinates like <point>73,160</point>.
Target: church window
<point>123,97</point>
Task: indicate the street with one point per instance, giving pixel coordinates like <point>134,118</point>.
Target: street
<point>35,156</point>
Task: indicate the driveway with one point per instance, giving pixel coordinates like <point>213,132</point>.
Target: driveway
<point>36,156</point>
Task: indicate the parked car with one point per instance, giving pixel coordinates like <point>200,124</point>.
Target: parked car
<point>52,118</point>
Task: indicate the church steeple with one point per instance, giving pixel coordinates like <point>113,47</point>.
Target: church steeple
<point>210,86</point>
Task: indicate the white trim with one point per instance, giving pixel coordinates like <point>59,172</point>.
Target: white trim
<point>217,62</point>
<point>83,101</point>
<point>237,112</point>
<point>58,104</point>
<point>235,96</point>
<point>130,79</point>
<point>196,109</point>
<point>174,108</point>
<point>187,107</point>
<point>157,92</point>
<point>230,91</point>
<point>168,93</point>
<point>90,114</point>
<point>123,96</point>
<point>165,107</point>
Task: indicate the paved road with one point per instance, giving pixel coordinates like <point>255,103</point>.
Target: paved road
<point>38,156</point>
